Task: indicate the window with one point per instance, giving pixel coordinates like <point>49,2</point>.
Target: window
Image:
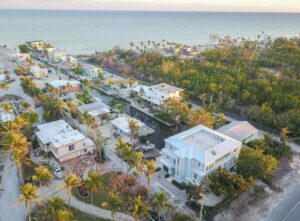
<point>177,173</point>
<point>174,161</point>
<point>195,176</point>
<point>71,147</point>
<point>178,161</point>
<point>85,150</point>
<point>168,157</point>
<point>198,164</point>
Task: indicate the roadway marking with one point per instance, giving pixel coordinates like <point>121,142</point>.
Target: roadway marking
<point>294,207</point>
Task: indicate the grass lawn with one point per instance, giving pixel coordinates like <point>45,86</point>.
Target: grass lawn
<point>101,197</point>
<point>42,215</point>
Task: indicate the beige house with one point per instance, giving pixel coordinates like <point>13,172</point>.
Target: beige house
<point>39,72</point>
<point>63,141</point>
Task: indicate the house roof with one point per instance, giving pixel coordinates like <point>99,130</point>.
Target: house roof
<point>94,109</point>
<point>202,143</point>
<point>59,133</point>
<point>61,83</point>
<point>157,93</point>
<point>239,130</point>
<point>122,123</point>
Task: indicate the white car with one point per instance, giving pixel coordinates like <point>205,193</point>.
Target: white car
<point>58,172</point>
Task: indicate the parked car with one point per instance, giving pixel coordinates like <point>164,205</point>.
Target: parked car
<point>58,172</point>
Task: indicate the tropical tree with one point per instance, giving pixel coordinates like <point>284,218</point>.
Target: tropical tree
<point>160,200</point>
<point>114,203</point>
<point>64,215</point>
<point>141,209</point>
<point>54,205</point>
<point>87,119</point>
<point>25,106</point>
<point>72,108</point>
<point>133,126</point>
<point>29,196</point>
<point>71,181</point>
<point>19,156</point>
<point>42,175</point>
<point>199,195</point>
<point>150,170</point>
<point>4,86</point>
<point>93,183</point>
<point>284,136</point>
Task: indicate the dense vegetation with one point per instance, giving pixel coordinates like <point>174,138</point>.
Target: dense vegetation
<point>259,82</point>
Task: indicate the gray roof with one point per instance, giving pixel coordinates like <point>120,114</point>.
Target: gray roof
<point>238,130</point>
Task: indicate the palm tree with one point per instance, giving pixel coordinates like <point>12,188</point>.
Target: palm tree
<point>133,126</point>
<point>61,107</point>
<point>25,106</point>
<point>150,170</point>
<point>71,181</point>
<point>284,136</point>
<point>114,203</point>
<point>64,215</point>
<point>141,209</point>
<point>121,143</point>
<point>53,205</point>
<point>93,183</point>
<point>87,119</point>
<point>72,107</point>
<point>4,86</point>
<point>199,195</point>
<point>160,200</point>
<point>28,195</point>
<point>42,175</point>
<point>19,156</point>
<point>99,142</point>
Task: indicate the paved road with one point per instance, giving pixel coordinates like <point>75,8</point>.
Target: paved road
<point>10,183</point>
<point>289,208</point>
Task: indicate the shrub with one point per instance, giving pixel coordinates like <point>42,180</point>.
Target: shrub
<point>181,186</point>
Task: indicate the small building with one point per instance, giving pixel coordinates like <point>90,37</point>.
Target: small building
<point>121,125</point>
<point>191,155</point>
<point>63,141</point>
<point>69,61</point>
<point>96,109</point>
<point>38,72</point>
<point>22,57</point>
<point>36,45</point>
<point>242,131</point>
<point>56,53</point>
<point>66,86</point>
<point>158,93</point>
<point>91,71</point>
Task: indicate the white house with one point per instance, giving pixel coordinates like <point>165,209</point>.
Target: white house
<point>91,71</point>
<point>56,53</point>
<point>240,130</point>
<point>66,86</point>
<point>193,154</point>
<point>158,93</point>
<point>38,72</point>
<point>68,60</point>
<point>63,141</point>
<point>121,125</point>
<point>95,109</point>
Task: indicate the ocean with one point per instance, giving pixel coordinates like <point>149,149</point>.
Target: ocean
<point>89,31</point>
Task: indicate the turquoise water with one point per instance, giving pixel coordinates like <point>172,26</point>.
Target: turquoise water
<point>87,31</point>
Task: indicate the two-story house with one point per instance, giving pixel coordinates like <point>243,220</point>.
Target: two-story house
<point>157,94</point>
<point>63,141</point>
<point>193,154</point>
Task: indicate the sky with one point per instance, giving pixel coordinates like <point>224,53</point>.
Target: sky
<point>158,5</point>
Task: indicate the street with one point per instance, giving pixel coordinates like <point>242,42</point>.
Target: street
<point>289,208</point>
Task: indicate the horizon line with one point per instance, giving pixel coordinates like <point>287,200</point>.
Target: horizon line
<point>133,10</point>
